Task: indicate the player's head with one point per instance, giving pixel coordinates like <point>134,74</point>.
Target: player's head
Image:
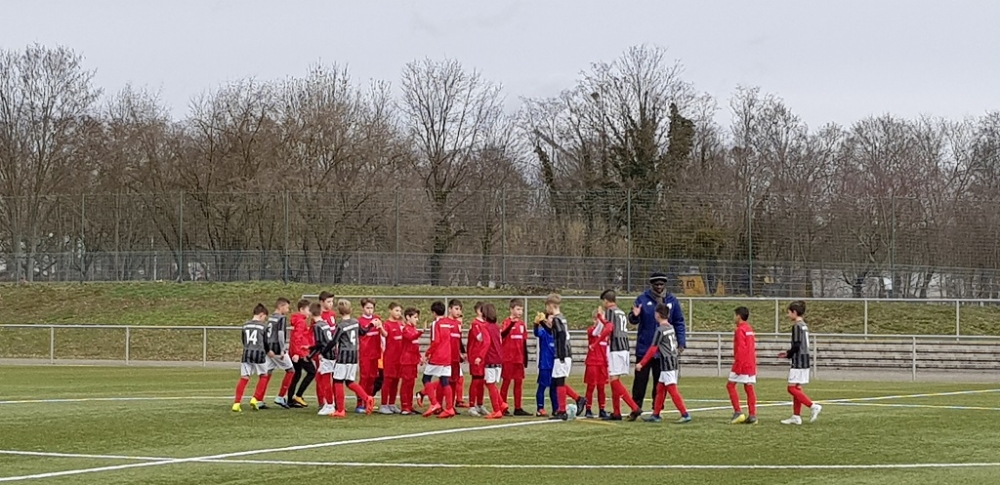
<point>478,307</point>
<point>662,314</point>
<point>455,308</point>
<point>367,306</point>
<point>344,307</point>
<point>412,315</point>
<point>315,310</point>
<point>742,314</point>
<point>326,298</point>
<point>797,309</point>
<point>609,299</point>
<point>395,311</point>
<point>552,303</point>
<point>303,306</point>
<point>437,309</point>
<point>516,308</point>
<point>259,312</point>
<point>281,305</point>
<point>489,313</point>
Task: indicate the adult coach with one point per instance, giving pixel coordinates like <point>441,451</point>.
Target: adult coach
<point>643,314</point>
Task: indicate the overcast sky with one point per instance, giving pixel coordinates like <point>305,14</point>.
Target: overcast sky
<point>833,60</point>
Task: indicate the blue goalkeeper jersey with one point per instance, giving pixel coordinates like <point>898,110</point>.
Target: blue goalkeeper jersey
<point>546,347</point>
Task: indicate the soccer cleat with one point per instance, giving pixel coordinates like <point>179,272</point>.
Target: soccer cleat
<point>504,409</point>
<point>237,408</point>
<point>738,418</point>
<point>589,414</point>
<point>447,413</point>
<point>683,420</point>
<point>326,410</point>
<point>360,410</point>
<point>255,405</point>
<point>406,412</point>
<point>652,418</point>
<point>613,417</point>
<point>298,402</point>
<point>634,415</point>
<point>816,408</point>
<point>796,420</point>
<point>603,414</point>
<point>370,405</point>
<point>394,409</point>
<point>461,404</point>
<point>420,399</point>
<point>494,416</point>
<point>541,413</point>
<point>339,414</point>
<point>384,410</point>
<point>581,403</point>
<point>751,420</point>
<point>432,410</point>
<point>474,412</point>
<point>521,412</point>
<point>506,412</point>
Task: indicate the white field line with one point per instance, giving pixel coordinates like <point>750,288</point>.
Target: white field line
<point>919,406</point>
<point>222,456</point>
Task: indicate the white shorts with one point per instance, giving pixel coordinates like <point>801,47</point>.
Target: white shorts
<point>345,372</point>
<point>283,362</point>
<point>437,370</point>
<point>247,369</point>
<point>668,377</point>
<point>798,376</point>
<point>618,364</point>
<point>492,375</point>
<point>562,369</point>
<point>742,378</point>
<point>326,366</point>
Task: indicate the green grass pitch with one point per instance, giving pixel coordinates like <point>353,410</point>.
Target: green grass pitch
<point>174,426</point>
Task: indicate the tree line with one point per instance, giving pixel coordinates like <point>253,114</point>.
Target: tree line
<point>627,163</point>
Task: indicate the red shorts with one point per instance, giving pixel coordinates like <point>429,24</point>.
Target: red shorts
<point>512,372</point>
<point>475,370</point>
<point>407,372</point>
<point>369,369</point>
<point>596,375</point>
<point>456,371</point>
<point>391,370</point>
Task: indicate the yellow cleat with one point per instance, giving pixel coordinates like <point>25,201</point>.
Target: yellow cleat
<point>237,408</point>
<point>254,404</point>
<point>301,402</point>
<point>738,418</point>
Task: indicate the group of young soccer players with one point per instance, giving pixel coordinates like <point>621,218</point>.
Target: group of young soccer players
<point>369,355</point>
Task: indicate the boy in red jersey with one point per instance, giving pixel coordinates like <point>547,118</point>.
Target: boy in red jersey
<point>596,374</point>
<point>514,333</point>
<point>299,344</point>
<point>477,347</point>
<point>392,333</point>
<point>326,300</point>
<point>493,359</point>
<point>439,364</point>
<point>409,359</point>
<point>744,370</point>
<point>370,348</point>
<point>458,352</point>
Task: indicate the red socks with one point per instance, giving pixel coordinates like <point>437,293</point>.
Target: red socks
<point>338,395</point>
<point>618,388</point>
<point>458,386</point>
<point>389,389</point>
<point>616,401</point>
<point>661,396</point>
<point>571,393</point>
<point>602,398</point>
<point>477,392</point>
<point>734,397</point>
<point>590,395</point>
<point>359,392</point>
<point>751,398</point>
<point>505,390</point>
<point>518,393</point>
<point>406,394</point>
<point>799,399</point>
<point>287,381</point>
<point>449,398</point>
<point>675,396</point>
<point>494,397</point>
<point>241,387</point>
<point>659,399</point>
<point>258,393</point>
<point>561,393</point>
<point>322,382</point>
<point>431,391</point>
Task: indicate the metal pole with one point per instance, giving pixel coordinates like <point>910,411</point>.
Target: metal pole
<point>718,338</point>
<point>914,376</point>
<point>180,238</point>
<point>204,347</point>
<point>866,317</point>
<point>777,317</point>
<point>503,236</point>
<point>395,274</point>
<point>958,319</point>
<point>287,270</point>
<point>52,345</point>
<point>815,353</point>
<point>83,236</point>
<point>690,317</point>
<point>750,241</point>
<point>128,342</point>
<point>119,274</point>
<point>892,246</point>
<point>628,242</point>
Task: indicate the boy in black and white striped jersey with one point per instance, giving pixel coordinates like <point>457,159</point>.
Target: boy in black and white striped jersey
<point>798,355</point>
<point>254,359</point>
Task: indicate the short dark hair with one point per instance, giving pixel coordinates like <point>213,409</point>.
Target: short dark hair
<point>663,311</point>
<point>454,302</point>
<point>365,301</point>
<point>478,306</point>
<point>315,309</point>
<point>489,312</point>
<point>409,312</point>
<point>303,304</point>
<point>609,295</point>
<point>743,312</point>
<point>798,306</point>
<point>260,309</point>
<point>282,301</point>
<point>325,295</point>
<point>437,308</point>
<point>394,305</point>
<point>516,302</point>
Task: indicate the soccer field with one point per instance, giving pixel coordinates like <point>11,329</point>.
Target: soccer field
<point>173,425</point>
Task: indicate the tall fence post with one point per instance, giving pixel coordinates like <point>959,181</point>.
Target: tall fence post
<point>718,340</point>
<point>777,317</point>
<point>503,237</point>
<point>83,237</point>
<point>815,355</point>
<point>52,345</point>
<point>395,259</point>
<point>180,238</point>
<point>204,346</point>
<point>914,359</point>
<point>285,267</point>
<point>690,317</point>
<point>958,319</point>
<point>628,242</point>
<point>128,343</point>
<point>866,317</point>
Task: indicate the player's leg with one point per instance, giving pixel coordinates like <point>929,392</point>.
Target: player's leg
<point>589,380</point>
<point>505,385</point>
<point>449,398</point>
<point>339,398</point>
<point>261,389</point>
<point>519,396</point>
<point>734,400</point>
<point>310,373</point>
<point>751,401</point>
<point>458,385</point>
<point>431,392</point>
<point>638,385</point>
<point>616,398</point>
<point>659,397</point>
<point>297,373</point>
<point>675,397</point>
<point>241,387</point>
<point>540,395</point>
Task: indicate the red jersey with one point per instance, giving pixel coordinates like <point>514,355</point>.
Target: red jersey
<point>393,342</point>
<point>410,347</point>
<point>494,354</point>
<point>439,351</point>
<point>301,338</point>
<point>744,350</point>
<point>329,317</point>
<point>479,342</point>
<point>514,347</point>
<point>371,339</point>
<point>597,345</point>
<point>456,340</point>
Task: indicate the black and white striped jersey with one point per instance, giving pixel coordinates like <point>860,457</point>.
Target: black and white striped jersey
<point>665,342</point>
<point>276,338</point>
<point>560,333</point>
<point>618,342</point>
<point>345,337</point>
<point>254,345</point>
<point>323,335</point>
<point>798,355</point>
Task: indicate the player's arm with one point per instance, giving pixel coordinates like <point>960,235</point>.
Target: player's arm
<point>559,331</point>
<point>796,343</point>
<point>505,331</point>
<point>650,353</point>
<point>433,345</point>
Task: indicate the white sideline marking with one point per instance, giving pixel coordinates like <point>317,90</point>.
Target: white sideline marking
<point>609,467</point>
<point>270,450</point>
<point>112,399</point>
<point>923,406</point>
<point>81,455</point>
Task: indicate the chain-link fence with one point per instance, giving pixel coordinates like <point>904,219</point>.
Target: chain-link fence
<point>709,244</point>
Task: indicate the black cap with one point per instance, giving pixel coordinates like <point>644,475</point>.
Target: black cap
<point>657,277</point>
